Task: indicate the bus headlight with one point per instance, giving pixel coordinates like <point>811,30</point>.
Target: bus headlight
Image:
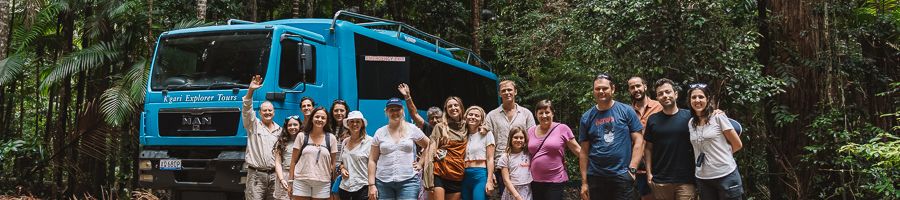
<point>146,178</point>
<point>145,165</point>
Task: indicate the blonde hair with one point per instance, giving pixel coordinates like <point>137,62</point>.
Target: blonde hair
<point>480,110</point>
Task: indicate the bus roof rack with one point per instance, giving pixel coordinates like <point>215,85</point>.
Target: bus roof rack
<point>401,27</point>
<point>237,21</point>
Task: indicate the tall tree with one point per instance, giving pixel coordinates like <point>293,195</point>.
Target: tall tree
<point>310,8</point>
<point>796,27</point>
<point>4,28</point>
<point>201,10</point>
<point>295,8</point>
<point>476,26</point>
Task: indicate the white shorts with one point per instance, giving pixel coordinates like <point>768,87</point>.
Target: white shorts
<point>310,188</point>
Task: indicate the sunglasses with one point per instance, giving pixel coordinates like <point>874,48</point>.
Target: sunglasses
<point>698,85</point>
<point>603,76</point>
<point>338,101</point>
<point>297,117</point>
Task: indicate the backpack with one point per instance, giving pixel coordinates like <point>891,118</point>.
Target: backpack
<point>306,142</point>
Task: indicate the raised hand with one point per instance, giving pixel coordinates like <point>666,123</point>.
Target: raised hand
<point>255,82</point>
<point>404,90</point>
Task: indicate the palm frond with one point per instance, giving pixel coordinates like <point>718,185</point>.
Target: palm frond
<point>116,106</point>
<point>11,67</point>
<point>44,24</point>
<point>136,80</point>
<point>93,135</point>
<point>119,102</point>
<point>190,23</point>
<point>125,8</point>
<point>83,60</point>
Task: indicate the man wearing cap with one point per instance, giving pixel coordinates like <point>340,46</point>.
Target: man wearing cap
<point>611,139</point>
<point>262,133</point>
<point>392,174</point>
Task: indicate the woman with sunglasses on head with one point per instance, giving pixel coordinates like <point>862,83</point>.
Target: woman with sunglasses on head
<point>714,141</point>
<point>283,151</point>
<point>313,158</point>
<point>338,114</point>
<point>355,158</point>
<point>392,160</point>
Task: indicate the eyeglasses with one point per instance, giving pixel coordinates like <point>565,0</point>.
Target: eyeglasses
<point>603,76</point>
<point>297,117</point>
<point>698,85</point>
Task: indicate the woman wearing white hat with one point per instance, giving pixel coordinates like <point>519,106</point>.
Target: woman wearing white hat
<point>355,157</point>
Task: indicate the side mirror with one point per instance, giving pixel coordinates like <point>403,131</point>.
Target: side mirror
<point>304,61</point>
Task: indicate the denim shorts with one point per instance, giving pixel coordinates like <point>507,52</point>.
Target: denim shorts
<point>403,190</point>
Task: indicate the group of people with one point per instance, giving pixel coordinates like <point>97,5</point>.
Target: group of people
<point>649,149</point>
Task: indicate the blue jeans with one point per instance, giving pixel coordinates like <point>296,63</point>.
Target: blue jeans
<point>474,181</point>
<point>403,190</point>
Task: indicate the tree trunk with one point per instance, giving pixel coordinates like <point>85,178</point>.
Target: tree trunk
<point>476,25</point>
<point>67,19</point>
<point>253,10</point>
<point>4,46</point>
<point>201,10</point>
<point>800,38</point>
<point>310,8</point>
<point>5,25</point>
<point>10,106</point>
<point>21,121</point>
<point>295,8</point>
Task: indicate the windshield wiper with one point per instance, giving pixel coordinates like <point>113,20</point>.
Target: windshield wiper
<point>231,85</point>
<point>185,86</point>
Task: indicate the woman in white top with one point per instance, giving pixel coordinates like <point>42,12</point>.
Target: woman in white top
<point>477,182</point>
<point>355,158</point>
<point>392,166</point>
<point>283,151</point>
<point>313,157</point>
<point>714,141</point>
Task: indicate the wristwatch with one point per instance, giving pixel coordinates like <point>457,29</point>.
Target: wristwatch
<point>632,170</point>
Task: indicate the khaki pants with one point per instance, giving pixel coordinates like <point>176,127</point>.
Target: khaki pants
<point>260,185</point>
<point>679,191</point>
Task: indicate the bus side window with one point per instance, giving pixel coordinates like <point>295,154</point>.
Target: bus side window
<point>289,76</point>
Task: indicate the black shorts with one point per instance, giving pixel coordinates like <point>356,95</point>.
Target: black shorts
<point>448,185</point>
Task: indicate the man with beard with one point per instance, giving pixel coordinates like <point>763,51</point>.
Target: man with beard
<point>668,151</point>
<point>644,106</point>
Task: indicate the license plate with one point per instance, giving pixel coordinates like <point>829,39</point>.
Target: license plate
<point>170,164</point>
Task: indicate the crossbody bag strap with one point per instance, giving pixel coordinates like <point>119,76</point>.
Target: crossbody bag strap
<point>545,139</point>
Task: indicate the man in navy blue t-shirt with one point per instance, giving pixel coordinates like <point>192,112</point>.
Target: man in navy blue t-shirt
<point>611,139</point>
<point>668,152</point>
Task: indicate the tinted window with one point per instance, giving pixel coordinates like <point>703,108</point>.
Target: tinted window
<point>289,76</point>
<point>380,67</point>
<point>216,60</point>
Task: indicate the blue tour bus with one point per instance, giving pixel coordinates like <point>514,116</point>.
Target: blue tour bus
<point>192,141</point>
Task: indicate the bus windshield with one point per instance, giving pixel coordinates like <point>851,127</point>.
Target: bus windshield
<point>216,60</point>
